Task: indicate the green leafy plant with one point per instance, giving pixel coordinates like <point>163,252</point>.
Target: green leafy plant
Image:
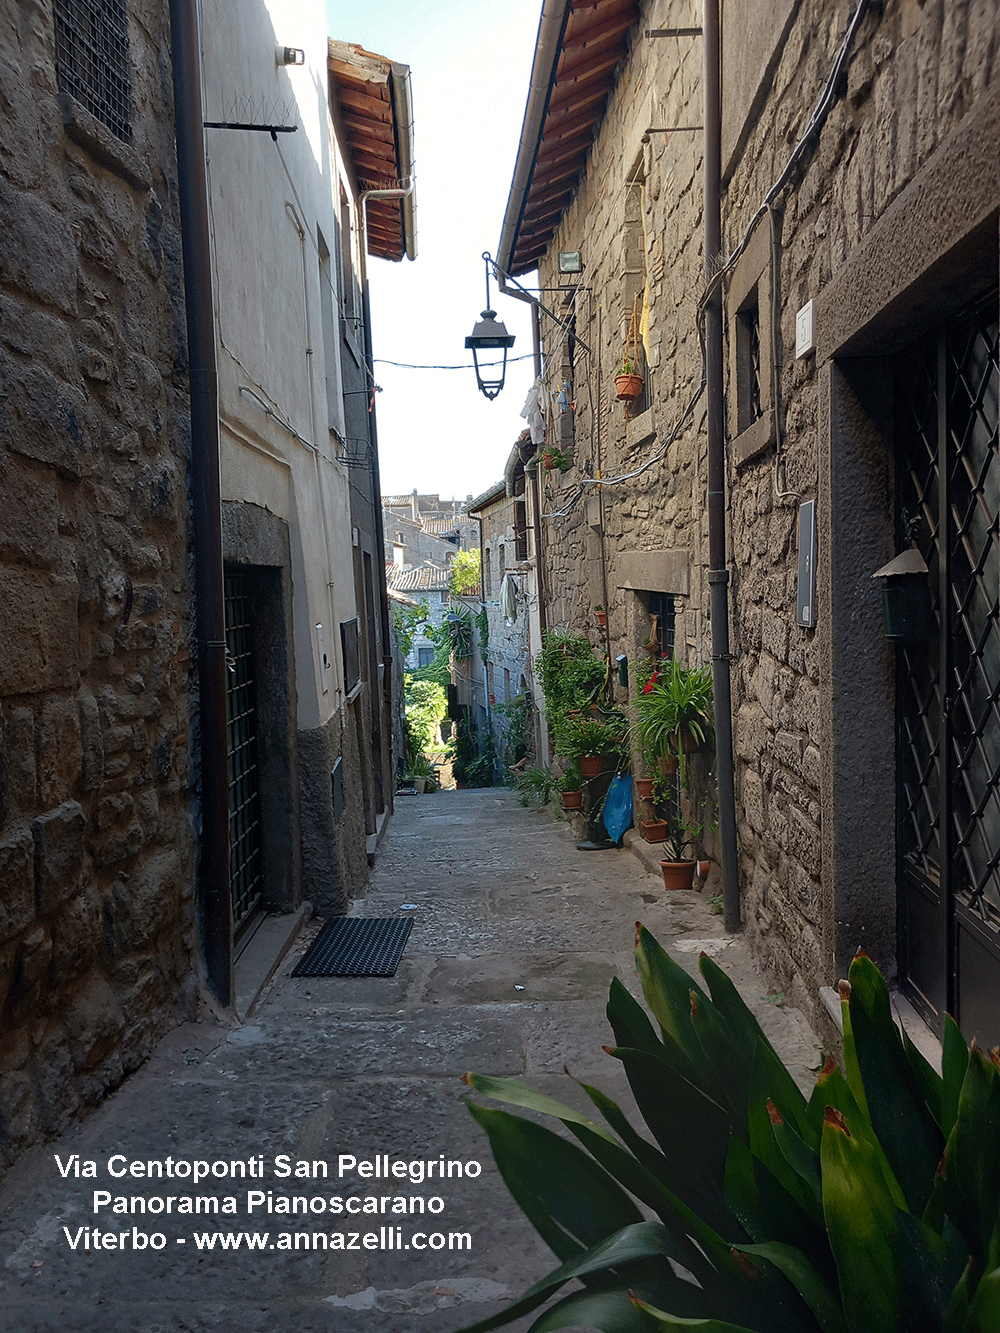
<point>426,705</point>
<point>460,629</point>
<point>572,779</point>
<point>672,699</point>
<point>873,1206</point>
<point>406,620</point>
<point>537,783</point>
<point>464,575</point>
<point>554,458</point>
<point>483,626</point>
<point>681,835</point>
<point>576,737</point>
<point>571,676</point>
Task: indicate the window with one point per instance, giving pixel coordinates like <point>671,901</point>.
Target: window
<point>662,615</point>
<point>506,685</point>
<point>635,266</point>
<point>346,256</point>
<point>331,343</point>
<point>425,657</point>
<point>503,560</point>
<point>487,575</point>
<point>521,529</point>
<point>92,62</point>
<point>350,645</point>
<point>751,355</point>
<point>489,681</point>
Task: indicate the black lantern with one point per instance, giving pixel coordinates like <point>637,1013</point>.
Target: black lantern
<point>489,334</point>
<point>907,610</point>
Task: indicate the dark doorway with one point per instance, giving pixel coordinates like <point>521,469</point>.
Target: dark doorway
<point>948,688</point>
<point>246,862</point>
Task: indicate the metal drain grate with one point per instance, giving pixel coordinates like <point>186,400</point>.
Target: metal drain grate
<point>356,947</point>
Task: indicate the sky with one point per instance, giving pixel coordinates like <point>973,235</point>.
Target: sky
<point>470,63</point>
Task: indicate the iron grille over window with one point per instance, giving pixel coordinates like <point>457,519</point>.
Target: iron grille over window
<point>92,61</point>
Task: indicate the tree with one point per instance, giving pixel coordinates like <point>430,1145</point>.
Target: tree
<point>464,579</point>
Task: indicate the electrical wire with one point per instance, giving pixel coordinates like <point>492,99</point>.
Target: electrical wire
<point>406,365</point>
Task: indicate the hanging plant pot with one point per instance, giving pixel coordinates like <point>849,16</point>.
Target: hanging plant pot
<point>653,830</point>
<point>667,764</point>
<point>677,874</point>
<point>644,787</point>
<point>591,765</point>
<point>688,742</point>
<point>628,387</point>
<point>572,800</point>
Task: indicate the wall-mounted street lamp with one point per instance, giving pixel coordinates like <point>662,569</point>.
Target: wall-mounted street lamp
<point>489,334</point>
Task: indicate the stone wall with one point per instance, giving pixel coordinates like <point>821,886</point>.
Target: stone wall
<point>96,847</point>
<point>916,70</point>
<point>507,648</point>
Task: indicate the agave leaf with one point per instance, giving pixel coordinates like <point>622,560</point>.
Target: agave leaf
<point>690,1128</point>
<point>630,1022</point>
<point>661,1319</point>
<point>752,1042</point>
<point>667,988</point>
<point>721,1052</point>
<point>570,1201</point>
<point>832,1090</point>
<point>789,1159</point>
<point>515,1092</point>
<point>984,1313</point>
<point>928,1079</point>
<point>861,1222</point>
<point>927,1272</point>
<point>907,1131</point>
<point>974,1162</point>
<point>954,1063</point>
<point>645,1240</point>
<point>958,1305</point>
<point>612,1309</point>
<point>811,1285</point>
<point>764,1208</point>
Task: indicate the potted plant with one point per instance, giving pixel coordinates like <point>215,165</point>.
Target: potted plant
<point>570,787</point>
<point>672,714</point>
<point>601,616</point>
<point>590,742</point>
<point>553,458</point>
<point>628,382</point>
<point>677,870</point>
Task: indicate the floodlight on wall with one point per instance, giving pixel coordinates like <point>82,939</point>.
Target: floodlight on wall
<point>489,334</point>
<point>291,55</point>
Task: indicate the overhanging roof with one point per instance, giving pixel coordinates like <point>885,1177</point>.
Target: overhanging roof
<point>372,95</point>
<point>579,48</point>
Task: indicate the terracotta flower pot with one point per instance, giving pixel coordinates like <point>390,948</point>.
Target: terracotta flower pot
<point>628,387</point>
<point>644,786</point>
<point>703,868</point>
<point>677,874</point>
<point>689,742</point>
<point>667,764</point>
<point>591,765</point>
<point>653,830</point>
<point>572,800</point>
<point>602,618</point>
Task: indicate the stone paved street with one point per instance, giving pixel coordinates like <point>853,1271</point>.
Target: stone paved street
<point>516,937</point>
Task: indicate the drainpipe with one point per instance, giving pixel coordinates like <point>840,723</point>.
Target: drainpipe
<point>206,485</point>
<point>718,572</point>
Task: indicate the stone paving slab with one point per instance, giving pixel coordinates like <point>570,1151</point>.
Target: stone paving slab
<point>364,1068</point>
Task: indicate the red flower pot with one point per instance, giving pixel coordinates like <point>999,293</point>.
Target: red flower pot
<point>572,800</point>
<point>591,765</point>
<point>653,830</point>
<point>644,786</point>
<point>677,874</point>
<point>628,387</point>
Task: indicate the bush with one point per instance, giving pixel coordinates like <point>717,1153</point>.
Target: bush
<point>871,1207</point>
<point>426,705</point>
<point>571,676</point>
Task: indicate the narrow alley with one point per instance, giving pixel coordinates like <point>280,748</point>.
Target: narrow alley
<point>516,938</point>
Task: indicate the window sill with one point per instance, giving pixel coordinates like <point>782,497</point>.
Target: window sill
<point>754,440</point>
<point>100,144</point>
<point>641,428</point>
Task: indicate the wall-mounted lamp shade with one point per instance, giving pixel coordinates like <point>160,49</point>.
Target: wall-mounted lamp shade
<point>291,55</point>
<point>907,609</point>
<point>489,335</point>
<point>570,261</point>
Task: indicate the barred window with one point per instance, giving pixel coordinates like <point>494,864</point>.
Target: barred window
<point>92,61</point>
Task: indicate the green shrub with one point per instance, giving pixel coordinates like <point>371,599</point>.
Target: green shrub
<point>873,1206</point>
<point>571,676</point>
<point>426,705</point>
<point>537,783</point>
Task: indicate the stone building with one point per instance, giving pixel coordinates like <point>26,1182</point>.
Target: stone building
<point>858,273</point>
<point>306,608</point>
<point>97,919</point>
<point>507,546</point>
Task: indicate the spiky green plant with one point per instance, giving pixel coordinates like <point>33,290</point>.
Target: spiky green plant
<point>871,1207</point>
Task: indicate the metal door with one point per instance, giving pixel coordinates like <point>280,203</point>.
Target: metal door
<point>246,877</point>
<point>948,688</point>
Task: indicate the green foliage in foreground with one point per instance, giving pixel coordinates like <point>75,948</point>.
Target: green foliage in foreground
<point>871,1207</point>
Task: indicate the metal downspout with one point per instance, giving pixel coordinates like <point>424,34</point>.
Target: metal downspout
<point>718,572</point>
<point>206,486</point>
